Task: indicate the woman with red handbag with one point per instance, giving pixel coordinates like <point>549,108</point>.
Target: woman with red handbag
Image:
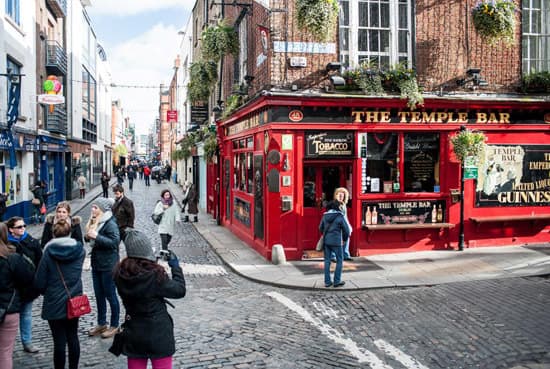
<point>59,271</point>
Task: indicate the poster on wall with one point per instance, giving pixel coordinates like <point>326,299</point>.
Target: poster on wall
<point>514,175</point>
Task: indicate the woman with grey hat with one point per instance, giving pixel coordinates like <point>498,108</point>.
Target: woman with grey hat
<point>103,237</point>
<point>148,330</point>
<point>170,215</point>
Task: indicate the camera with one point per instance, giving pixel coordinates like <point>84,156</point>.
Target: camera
<point>164,255</point>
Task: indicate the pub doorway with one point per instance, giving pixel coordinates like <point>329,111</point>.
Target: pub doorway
<point>320,181</point>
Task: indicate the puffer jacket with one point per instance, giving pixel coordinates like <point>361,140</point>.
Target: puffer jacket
<point>170,216</point>
<point>148,329</point>
<point>30,247</point>
<point>105,246</point>
<point>47,234</point>
<point>15,273</point>
<point>69,254</point>
<point>336,233</point>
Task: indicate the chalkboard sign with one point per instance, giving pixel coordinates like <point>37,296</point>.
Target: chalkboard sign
<point>403,212</point>
<point>421,160</point>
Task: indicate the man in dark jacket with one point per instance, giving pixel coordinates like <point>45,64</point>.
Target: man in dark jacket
<point>123,210</point>
<point>336,232</point>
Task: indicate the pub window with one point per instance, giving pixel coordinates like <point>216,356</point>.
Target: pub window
<point>421,162</point>
<point>535,27</point>
<point>243,178</point>
<point>382,170</point>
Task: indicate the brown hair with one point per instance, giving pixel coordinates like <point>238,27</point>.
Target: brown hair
<point>131,267</point>
<point>11,222</point>
<point>118,188</point>
<point>64,204</point>
<point>164,191</point>
<point>61,229</point>
<point>5,248</point>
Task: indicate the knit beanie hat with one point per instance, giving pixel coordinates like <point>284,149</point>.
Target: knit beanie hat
<point>138,245</point>
<point>103,204</point>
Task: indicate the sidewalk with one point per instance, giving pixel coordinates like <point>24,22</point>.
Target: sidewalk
<point>381,271</point>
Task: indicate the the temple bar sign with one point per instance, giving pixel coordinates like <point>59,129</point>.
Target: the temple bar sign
<point>415,117</point>
<point>329,144</point>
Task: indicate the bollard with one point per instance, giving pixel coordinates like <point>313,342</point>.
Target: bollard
<point>278,254</point>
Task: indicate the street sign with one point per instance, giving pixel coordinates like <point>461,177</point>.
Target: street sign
<point>470,172</point>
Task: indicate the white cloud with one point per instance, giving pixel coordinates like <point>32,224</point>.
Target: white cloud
<point>132,7</point>
<point>146,60</point>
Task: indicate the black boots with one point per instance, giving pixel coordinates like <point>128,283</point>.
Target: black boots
<point>186,219</point>
<point>195,219</point>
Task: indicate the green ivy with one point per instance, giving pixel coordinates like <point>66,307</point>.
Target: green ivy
<point>317,17</point>
<point>536,82</point>
<point>495,20</point>
<point>468,143</point>
<point>203,77</point>
<point>218,41</point>
<point>231,104</point>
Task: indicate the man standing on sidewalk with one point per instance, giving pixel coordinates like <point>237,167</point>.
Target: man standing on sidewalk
<point>147,175</point>
<point>123,210</point>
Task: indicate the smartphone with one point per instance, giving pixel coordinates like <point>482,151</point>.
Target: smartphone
<point>164,255</point>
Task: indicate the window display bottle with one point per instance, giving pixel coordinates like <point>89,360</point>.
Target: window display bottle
<point>368,216</point>
<point>434,215</point>
<point>374,215</point>
<point>439,214</point>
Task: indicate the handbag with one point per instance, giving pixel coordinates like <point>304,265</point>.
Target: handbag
<point>320,244</point>
<point>78,305</point>
<point>35,201</point>
<point>4,312</point>
<point>43,209</point>
<point>156,218</point>
<point>118,341</point>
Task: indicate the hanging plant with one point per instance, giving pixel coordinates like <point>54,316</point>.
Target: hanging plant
<point>203,76</point>
<point>403,80</point>
<point>231,104</point>
<point>210,145</point>
<point>536,82</point>
<point>317,17</point>
<point>219,40</point>
<point>468,143</point>
<point>495,20</point>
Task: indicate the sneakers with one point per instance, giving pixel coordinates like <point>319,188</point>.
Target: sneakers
<point>30,348</point>
<point>99,329</point>
<point>339,284</point>
<point>109,332</point>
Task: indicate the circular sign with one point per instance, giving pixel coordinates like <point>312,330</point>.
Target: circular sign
<point>295,115</point>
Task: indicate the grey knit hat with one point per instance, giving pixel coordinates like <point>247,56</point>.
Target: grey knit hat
<point>103,204</point>
<point>138,245</point>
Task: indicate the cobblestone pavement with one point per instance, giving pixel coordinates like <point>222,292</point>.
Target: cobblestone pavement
<point>226,321</point>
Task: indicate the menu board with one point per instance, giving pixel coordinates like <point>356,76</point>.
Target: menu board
<point>421,160</point>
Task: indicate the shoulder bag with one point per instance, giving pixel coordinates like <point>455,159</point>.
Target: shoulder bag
<point>35,201</point>
<point>4,311</point>
<point>157,217</point>
<point>78,305</point>
<point>320,244</point>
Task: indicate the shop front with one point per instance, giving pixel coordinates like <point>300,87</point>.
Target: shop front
<point>283,156</point>
<point>52,167</point>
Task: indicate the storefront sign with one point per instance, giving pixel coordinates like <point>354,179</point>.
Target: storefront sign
<point>329,144</point>
<point>296,115</point>
<point>172,116</point>
<point>251,122</point>
<point>199,114</point>
<point>424,117</point>
<point>403,212</point>
<point>514,175</point>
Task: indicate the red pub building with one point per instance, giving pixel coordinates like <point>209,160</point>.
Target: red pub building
<point>297,137</point>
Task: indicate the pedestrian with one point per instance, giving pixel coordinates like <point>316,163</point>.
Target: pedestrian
<point>123,210</point>
<point>170,215</point>
<point>82,183</point>
<point>186,188</point>
<point>15,273</point>
<point>103,237</point>
<point>336,232</point>
<point>62,212</point>
<point>168,172</point>
<point>193,202</point>
<point>131,176</point>
<point>61,270</point>
<point>37,202</point>
<point>105,179</point>
<point>120,176</point>
<point>28,246</point>
<point>3,201</point>
<point>341,195</point>
<point>147,175</point>
<point>144,286</point>
<point>140,171</point>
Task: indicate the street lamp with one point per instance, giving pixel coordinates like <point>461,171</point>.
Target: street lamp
<point>461,229</point>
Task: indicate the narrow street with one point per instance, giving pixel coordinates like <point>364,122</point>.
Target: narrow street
<point>226,321</point>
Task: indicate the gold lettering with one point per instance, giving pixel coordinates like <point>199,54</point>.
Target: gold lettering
<point>504,118</point>
<point>403,115</point>
<point>385,117</point>
<point>492,118</point>
<point>416,117</point>
<point>481,118</point>
<point>462,117</point>
<point>357,116</point>
<point>371,116</point>
<point>441,117</point>
<point>450,120</point>
<point>428,118</point>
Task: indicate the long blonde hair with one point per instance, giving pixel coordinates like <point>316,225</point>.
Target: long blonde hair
<point>345,191</point>
<point>93,222</point>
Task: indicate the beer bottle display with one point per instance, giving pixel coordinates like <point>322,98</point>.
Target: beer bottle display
<point>374,215</point>
<point>368,216</point>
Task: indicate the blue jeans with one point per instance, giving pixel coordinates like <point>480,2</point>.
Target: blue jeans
<point>25,323</point>
<point>105,290</point>
<point>339,252</point>
<point>346,252</point>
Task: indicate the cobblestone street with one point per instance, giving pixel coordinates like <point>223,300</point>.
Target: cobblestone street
<point>226,321</point>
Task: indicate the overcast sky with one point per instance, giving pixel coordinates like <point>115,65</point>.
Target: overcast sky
<point>141,40</point>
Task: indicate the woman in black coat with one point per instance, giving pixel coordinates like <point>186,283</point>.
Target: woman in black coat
<point>15,272</point>
<point>143,285</point>
<point>62,211</point>
<point>62,256</point>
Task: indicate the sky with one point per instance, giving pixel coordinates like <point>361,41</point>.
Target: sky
<point>140,38</point>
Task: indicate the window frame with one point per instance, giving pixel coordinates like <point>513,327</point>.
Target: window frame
<point>530,15</point>
<point>243,173</point>
<point>13,11</point>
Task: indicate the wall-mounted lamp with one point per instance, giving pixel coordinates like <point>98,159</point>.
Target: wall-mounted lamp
<point>337,81</point>
<point>248,79</point>
<point>333,67</point>
<point>474,76</point>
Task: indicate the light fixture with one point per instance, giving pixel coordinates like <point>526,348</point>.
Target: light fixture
<point>333,67</point>
<point>474,76</point>
<point>248,79</point>
<point>337,81</point>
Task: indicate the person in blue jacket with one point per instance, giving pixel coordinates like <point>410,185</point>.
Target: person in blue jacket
<point>63,256</point>
<point>103,236</point>
<point>336,232</point>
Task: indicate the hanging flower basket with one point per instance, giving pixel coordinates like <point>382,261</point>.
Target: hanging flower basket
<point>495,20</point>
<point>219,40</point>
<point>468,143</point>
<point>317,17</point>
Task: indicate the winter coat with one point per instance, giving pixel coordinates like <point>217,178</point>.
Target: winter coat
<point>30,247</point>
<point>47,233</point>
<point>38,193</point>
<point>15,273</point>
<point>149,329</point>
<point>105,246</point>
<point>123,210</point>
<point>105,182</point>
<point>336,233</point>
<point>69,255</point>
<point>193,201</point>
<point>170,216</point>
<point>3,200</point>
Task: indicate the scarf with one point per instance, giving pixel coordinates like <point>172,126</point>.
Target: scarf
<point>168,202</point>
<point>12,238</point>
<point>68,220</point>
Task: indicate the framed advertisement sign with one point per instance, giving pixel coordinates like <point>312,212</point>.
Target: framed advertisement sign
<point>329,144</point>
